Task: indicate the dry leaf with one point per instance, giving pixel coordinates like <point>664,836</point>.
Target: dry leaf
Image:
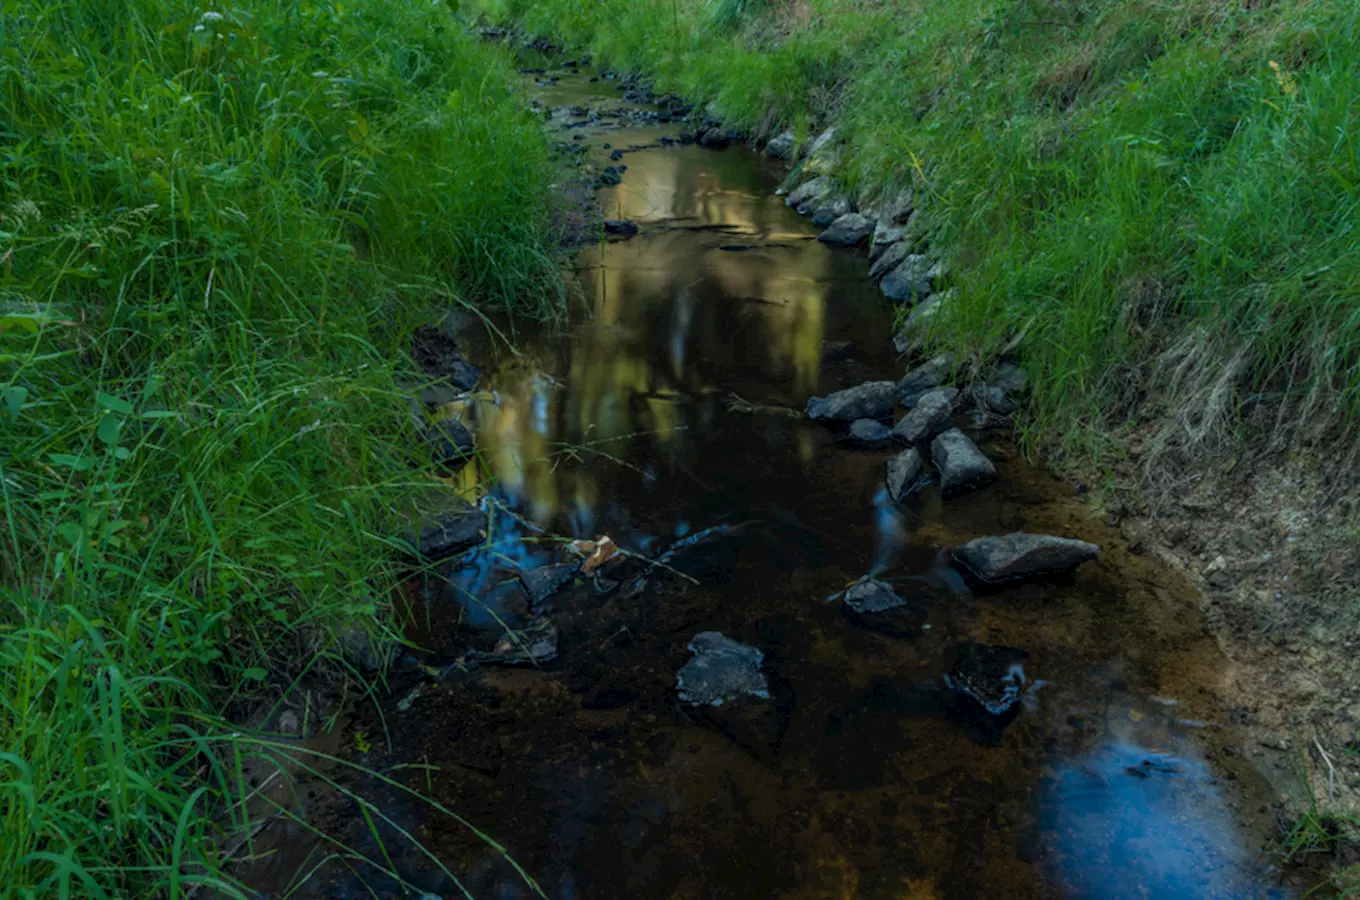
<point>597,552</point>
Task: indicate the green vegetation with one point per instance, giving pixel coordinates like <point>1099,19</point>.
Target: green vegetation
<point>219,225</point>
<point>1159,195</point>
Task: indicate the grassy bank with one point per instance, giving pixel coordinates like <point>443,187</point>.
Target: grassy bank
<point>1158,195</point>
<point>219,225</point>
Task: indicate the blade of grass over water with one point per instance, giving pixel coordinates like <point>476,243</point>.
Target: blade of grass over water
<point>219,226</point>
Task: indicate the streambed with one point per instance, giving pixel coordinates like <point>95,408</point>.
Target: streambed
<point>668,417</point>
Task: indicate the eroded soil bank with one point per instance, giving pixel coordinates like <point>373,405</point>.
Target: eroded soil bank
<point>668,416</point>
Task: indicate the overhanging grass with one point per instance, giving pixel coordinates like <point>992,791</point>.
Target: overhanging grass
<point>1108,177</point>
<point>218,228</point>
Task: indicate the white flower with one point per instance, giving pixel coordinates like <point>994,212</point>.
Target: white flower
<point>211,16</point>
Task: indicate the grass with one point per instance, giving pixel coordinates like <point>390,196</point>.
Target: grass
<point>219,226</point>
<point>1160,196</point>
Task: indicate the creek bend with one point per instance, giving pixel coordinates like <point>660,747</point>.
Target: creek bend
<point>659,418</point>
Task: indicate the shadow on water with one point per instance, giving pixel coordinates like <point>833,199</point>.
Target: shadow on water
<point>660,417</point>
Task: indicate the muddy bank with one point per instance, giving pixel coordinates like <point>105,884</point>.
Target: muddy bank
<point>898,716</point>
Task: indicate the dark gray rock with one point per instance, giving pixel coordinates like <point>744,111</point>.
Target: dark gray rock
<point>436,395</point>
<point>868,432</point>
<point>986,684</point>
<point>1010,378</point>
<point>810,192</point>
<point>620,227</point>
<point>781,146</point>
<point>721,670</point>
<point>822,142</point>
<point>714,139</point>
<point>533,645</point>
<point>963,467</point>
<point>904,474</point>
<point>912,280</point>
<point>871,400</point>
<point>912,336</point>
<point>927,418</point>
<point>1020,555</point>
<point>899,209</point>
<point>874,605</point>
<point>365,651</point>
<point>925,377</point>
<point>451,532</point>
<point>885,236</point>
<point>997,400</point>
<point>543,582</point>
<point>828,211</point>
<point>450,442</point>
<point>611,175</point>
<point>889,259</point>
<point>849,230</point>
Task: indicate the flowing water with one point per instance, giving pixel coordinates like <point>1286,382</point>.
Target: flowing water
<point>660,418</point>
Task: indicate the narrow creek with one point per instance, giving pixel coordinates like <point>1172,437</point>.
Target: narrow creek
<point>660,417</point>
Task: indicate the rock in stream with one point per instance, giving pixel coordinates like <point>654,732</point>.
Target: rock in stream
<point>904,474</point>
<point>1020,555</point>
<point>986,684</point>
<point>927,418</point>
<point>875,605</point>
<point>871,400</point>
<point>962,465</point>
<point>721,671</point>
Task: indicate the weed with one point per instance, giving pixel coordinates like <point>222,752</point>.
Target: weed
<point>218,229</point>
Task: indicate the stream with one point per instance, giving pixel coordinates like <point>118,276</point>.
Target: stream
<point>661,417</point>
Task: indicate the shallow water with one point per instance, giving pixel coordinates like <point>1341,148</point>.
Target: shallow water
<point>855,779</point>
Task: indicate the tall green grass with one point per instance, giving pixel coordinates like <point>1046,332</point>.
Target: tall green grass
<point>219,224</point>
<point>1159,195</point>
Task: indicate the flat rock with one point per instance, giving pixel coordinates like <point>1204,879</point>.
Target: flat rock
<point>1021,555</point>
<point>871,400</point>
<point>912,280</point>
<point>986,684</point>
<point>544,581</point>
<point>849,230</point>
<point>721,671</point>
<point>927,418</point>
<point>451,532</point>
<point>904,473</point>
<point>875,605</point>
<point>868,432</point>
<point>963,467</point>
<point>888,259</point>
<point>450,442</point>
<point>925,377</point>
<point>781,145</point>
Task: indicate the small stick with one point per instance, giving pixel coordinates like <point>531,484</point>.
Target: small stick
<point>1331,772</point>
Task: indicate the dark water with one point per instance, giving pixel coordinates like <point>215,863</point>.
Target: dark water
<point>1118,779</point>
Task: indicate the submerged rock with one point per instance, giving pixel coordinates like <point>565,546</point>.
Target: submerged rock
<point>1021,555</point>
<point>543,582</point>
<point>986,684</point>
<point>904,474</point>
<point>451,532</point>
<point>927,418</point>
<point>450,442</point>
<point>869,432</point>
<point>875,605</point>
<point>532,645</point>
<point>620,227</point>
<point>924,378</point>
<point>611,175</point>
<point>871,400</point>
<point>962,465</point>
<point>721,670</point>
<point>849,230</point>
<point>781,146</point>
<point>714,139</point>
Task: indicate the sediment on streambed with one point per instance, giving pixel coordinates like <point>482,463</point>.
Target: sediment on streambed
<point>1101,193</point>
